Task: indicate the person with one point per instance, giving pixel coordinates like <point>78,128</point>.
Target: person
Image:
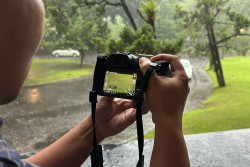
<point>21,29</point>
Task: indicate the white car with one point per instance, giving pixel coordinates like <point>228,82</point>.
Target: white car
<point>66,52</point>
<point>188,67</point>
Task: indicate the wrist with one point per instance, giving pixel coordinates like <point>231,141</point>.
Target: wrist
<point>169,147</point>
<point>87,128</point>
<point>99,136</point>
<point>169,127</point>
<point>167,121</point>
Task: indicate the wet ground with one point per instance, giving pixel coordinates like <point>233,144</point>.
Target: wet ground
<point>42,114</point>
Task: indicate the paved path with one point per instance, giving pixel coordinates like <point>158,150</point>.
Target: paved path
<point>200,85</point>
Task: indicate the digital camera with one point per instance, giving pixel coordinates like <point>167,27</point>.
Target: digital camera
<point>119,75</point>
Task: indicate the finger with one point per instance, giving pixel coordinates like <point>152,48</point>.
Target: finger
<point>106,99</point>
<point>126,104</point>
<point>144,64</point>
<point>175,63</point>
<point>144,107</point>
<point>129,116</point>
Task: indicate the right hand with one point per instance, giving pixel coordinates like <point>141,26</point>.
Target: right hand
<point>165,97</point>
<point>113,115</point>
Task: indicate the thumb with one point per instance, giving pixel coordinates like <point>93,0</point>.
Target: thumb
<point>144,63</point>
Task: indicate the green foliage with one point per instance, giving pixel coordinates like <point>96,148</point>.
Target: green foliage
<point>144,44</point>
<point>214,14</point>
<point>242,45</point>
<point>127,36</point>
<point>171,47</point>
<point>166,26</point>
<point>240,6</point>
<point>79,28</point>
<point>199,49</point>
<point>115,26</point>
<point>149,10</point>
<point>142,41</point>
<point>113,46</point>
<point>240,21</point>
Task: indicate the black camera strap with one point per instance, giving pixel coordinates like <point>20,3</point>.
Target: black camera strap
<point>96,152</point>
<point>139,123</point>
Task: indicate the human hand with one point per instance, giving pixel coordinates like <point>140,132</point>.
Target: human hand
<point>114,115</point>
<point>165,97</point>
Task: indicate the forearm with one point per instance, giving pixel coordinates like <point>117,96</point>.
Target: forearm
<point>70,150</point>
<point>169,146</point>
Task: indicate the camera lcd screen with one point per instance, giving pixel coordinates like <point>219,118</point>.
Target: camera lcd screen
<point>115,83</point>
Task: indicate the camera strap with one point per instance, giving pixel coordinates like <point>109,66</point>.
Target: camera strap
<point>139,123</point>
<point>96,152</point>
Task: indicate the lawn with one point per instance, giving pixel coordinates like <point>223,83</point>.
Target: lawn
<point>227,108</point>
<point>54,70</point>
<point>121,83</point>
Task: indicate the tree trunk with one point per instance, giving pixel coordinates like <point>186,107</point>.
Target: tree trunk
<point>152,23</point>
<point>211,64</point>
<point>82,57</point>
<point>214,50</point>
<point>220,76</point>
<point>126,9</point>
<point>215,56</point>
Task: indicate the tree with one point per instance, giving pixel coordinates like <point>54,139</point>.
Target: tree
<point>122,3</point>
<point>206,16</point>
<point>165,25</point>
<point>148,11</point>
<point>79,28</point>
<point>142,41</point>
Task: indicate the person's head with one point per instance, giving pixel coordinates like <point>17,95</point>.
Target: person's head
<point>21,29</point>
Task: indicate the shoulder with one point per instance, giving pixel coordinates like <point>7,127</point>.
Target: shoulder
<point>9,157</point>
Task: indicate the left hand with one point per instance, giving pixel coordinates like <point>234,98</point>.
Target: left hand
<point>113,115</point>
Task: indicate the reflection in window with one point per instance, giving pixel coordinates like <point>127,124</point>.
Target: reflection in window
<point>33,95</point>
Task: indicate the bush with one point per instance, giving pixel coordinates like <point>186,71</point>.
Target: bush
<point>47,48</point>
<point>171,47</point>
<point>142,41</point>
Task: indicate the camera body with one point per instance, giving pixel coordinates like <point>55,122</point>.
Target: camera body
<point>119,75</point>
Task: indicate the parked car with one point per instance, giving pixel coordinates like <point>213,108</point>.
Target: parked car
<point>66,52</point>
<point>188,67</point>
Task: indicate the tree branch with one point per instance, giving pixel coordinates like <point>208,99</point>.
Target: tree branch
<point>224,23</point>
<point>229,37</point>
<point>103,1</point>
<point>142,16</point>
<point>226,46</point>
<point>217,12</point>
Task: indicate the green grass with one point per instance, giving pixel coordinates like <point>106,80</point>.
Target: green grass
<point>227,108</point>
<point>121,83</point>
<point>54,70</point>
